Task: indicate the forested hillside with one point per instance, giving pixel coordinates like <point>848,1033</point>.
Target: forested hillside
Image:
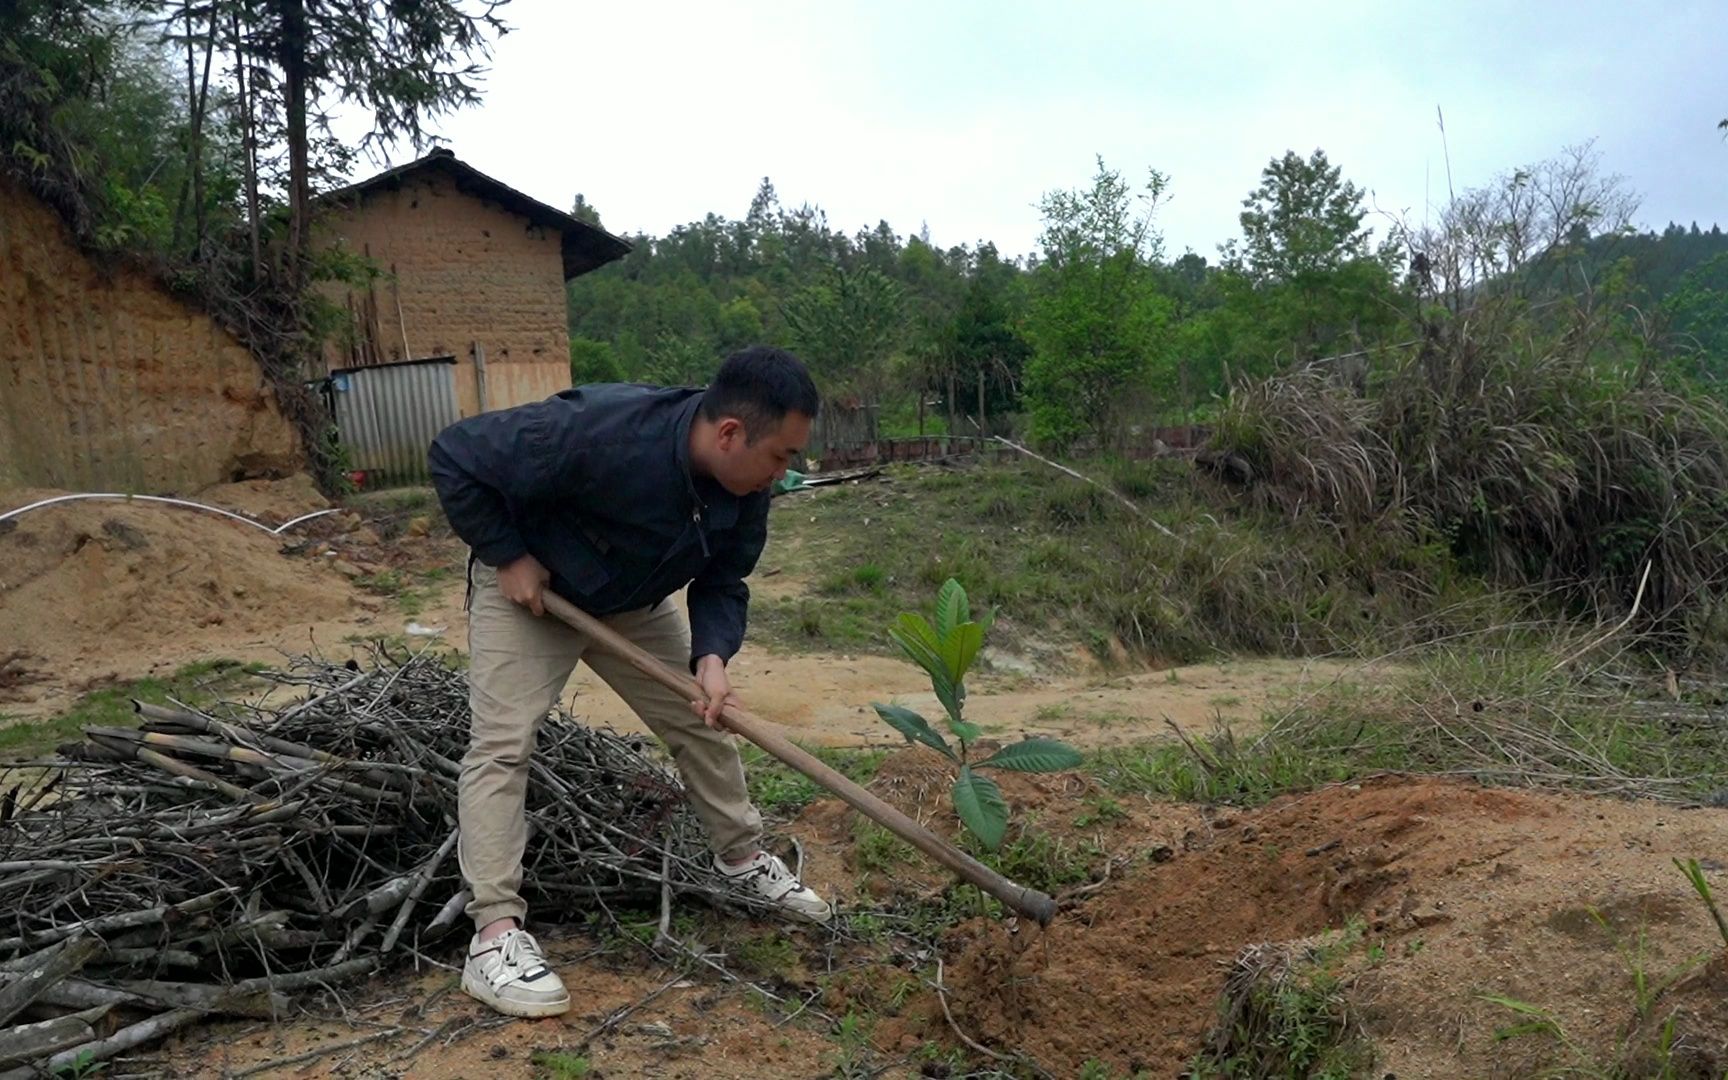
<point>1102,323</point>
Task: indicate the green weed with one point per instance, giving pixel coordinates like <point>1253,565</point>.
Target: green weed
<point>413,592</point>
<point>560,1065</point>
<point>876,849</point>
<point>1050,713</point>
<point>1041,860</point>
<point>1100,810</point>
<point>1290,1020</point>
<point>1645,990</point>
<point>1701,885</point>
<point>781,791</point>
<point>770,956</point>
<point>852,1062</point>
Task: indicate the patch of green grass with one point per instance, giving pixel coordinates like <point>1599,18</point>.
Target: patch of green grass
<point>413,592</point>
<point>779,790</point>
<point>195,684</point>
<point>1100,810</point>
<point>1049,714</point>
<point>1093,1069</point>
<point>770,956</point>
<point>876,849</point>
<point>390,511</point>
<point>1109,718</point>
<point>1064,560</point>
<point>403,500</point>
<point>1290,1022</point>
<point>1036,858</point>
<point>853,1061</point>
<point>1500,711</point>
<point>868,925</point>
<point>868,578</point>
<point>560,1065</point>
<point>1219,770</point>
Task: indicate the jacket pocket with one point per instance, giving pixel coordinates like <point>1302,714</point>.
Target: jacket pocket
<point>572,558</point>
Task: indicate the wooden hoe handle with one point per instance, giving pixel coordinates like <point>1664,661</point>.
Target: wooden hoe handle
<point>1028,902</point>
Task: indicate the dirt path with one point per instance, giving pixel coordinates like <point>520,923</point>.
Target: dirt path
<point>824,698</point>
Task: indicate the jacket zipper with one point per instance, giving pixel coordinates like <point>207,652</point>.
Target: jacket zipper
<point>701,529</point>
<point>701,538</point>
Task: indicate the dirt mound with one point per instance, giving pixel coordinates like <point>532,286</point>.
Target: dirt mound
<point>91,590</point>
<point>1464,891</point>
<point>270,501</point>
<point>1071,814</point>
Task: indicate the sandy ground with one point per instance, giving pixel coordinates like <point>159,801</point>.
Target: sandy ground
<point>99,593</point>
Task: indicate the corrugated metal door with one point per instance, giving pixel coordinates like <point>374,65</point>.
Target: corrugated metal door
<point>388,414</point>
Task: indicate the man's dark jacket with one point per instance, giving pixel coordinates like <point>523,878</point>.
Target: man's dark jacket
<point>596,484</point>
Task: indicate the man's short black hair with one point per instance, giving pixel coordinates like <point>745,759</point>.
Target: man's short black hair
<point>760,385</point>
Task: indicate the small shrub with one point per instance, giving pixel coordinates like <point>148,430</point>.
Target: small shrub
<point>946,652</point>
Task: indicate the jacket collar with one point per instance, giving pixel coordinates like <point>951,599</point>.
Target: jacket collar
<point>719,506</point>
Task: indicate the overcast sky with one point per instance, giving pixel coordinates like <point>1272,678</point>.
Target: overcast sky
<point>959,115</point>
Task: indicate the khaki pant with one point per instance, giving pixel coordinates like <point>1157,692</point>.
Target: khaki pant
<point>518,665</point>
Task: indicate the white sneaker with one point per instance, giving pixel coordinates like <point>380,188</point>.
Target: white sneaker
<point>509,973</point>
<point>769,878</point>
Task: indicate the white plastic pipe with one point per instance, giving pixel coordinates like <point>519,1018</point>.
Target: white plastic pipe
<point>277,531</point>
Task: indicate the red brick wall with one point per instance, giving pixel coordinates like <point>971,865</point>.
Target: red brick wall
<point>458,270</point>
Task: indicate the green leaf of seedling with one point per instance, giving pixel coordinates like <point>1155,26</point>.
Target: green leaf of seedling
<point>919,643</point>
<point>951,608</point>
<point>982,809</point>
<point>961,647</point>
<point>967,733</point>
<point>1034,755</point>
<point>913,726</point>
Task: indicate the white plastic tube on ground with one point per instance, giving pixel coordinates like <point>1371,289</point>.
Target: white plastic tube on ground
<point>277,531</point>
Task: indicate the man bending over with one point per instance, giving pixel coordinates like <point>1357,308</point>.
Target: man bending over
<point>615,497</point>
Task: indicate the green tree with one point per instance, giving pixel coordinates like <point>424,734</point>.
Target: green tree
<point>982,348</point>
<point>584,211</point>
<point>1316,287</point>
<point>91,119</point>
<point>1698,317</point>
<point>593,362</point>
<point>1098,325</point>
<point>847,326</point>
<point>404,62</point>
<point>1303,219</point>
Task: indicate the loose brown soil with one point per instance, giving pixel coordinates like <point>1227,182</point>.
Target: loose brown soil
<point>1462,891</point>
<point>1469,891</point>
<point>98,591</point>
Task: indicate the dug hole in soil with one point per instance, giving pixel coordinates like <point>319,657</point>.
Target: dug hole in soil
<point>1463,891</point>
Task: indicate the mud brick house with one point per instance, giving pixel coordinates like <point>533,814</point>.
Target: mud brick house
<point>109,382</point>
<point>471,271</point>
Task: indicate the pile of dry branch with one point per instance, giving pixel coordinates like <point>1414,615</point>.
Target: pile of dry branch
<point>212,861</point>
